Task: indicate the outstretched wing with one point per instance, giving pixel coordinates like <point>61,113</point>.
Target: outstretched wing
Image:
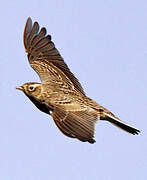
<point>76,124</point>
<point>45,59</point>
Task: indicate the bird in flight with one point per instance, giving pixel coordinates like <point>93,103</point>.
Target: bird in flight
<point>60,94</point>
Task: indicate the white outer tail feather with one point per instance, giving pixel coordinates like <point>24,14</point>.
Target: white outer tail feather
<point>124,126</point>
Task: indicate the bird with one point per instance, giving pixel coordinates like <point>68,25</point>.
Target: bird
<point>60,94</point>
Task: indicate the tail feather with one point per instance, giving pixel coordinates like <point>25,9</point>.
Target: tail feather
<point>121,124</point>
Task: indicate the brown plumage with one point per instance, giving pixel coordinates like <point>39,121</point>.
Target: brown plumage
<point>60,94</point>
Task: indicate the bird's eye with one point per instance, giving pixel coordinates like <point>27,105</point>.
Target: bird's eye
<point>31,88</point>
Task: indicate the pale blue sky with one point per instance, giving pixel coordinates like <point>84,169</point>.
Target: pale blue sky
<point>105,45</point>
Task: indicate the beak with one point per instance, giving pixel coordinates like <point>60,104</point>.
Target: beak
<point>20,88</point>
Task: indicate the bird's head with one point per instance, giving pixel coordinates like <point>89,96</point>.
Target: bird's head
<point>31,89</point>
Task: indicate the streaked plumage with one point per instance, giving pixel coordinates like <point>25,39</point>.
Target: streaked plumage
<point>60,94</point>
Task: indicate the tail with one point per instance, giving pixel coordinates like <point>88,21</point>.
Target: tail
<point>114,120</point>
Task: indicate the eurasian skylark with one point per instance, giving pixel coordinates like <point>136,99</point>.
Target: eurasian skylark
<point>60,94</point>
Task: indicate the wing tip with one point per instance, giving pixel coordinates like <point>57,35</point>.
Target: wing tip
<point>29,23</point>
<point>91,141</point>
<point>29,19</point>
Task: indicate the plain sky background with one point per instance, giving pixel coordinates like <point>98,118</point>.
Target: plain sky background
<point>105,45</point>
